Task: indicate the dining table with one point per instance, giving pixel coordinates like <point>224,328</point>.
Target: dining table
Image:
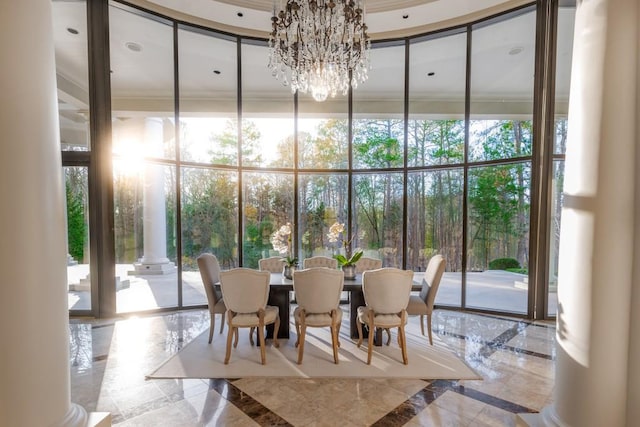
<point>279,296</point>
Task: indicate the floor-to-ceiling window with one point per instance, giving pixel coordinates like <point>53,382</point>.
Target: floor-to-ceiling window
<point>436,141</point>
<point>499,157</point>
<point>70,35</point>
<point>144,175</point>
<point>432,154</point>
<point>268,144</point>
<point>378,152</point>
<point>208,146</point>
<point>566,18</point>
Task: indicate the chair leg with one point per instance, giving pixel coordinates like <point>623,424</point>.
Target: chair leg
<point>388,335</point>
<point>212,325</point>
<point>303,333</point>
<point>263,355</point>
<point>230,334</point>
<point>335,343</point>
<point>253,328</point>
<point>221,322</point>
<point>422,323</point>
<point>402,338</point>
<point>371,334</point>
<point>229,337</point>
<point>429,328</point>
<point>276,329</point>
<point>301,314</point>
<point>359,325</point>
<point>235,343</point>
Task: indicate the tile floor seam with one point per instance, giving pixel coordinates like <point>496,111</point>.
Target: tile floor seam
<point>230,395</point>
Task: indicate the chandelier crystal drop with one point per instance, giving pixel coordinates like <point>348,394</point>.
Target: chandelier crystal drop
<point>320,46</point>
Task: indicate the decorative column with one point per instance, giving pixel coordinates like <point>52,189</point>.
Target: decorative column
<point>154,260</point>
<point>34,325</point>
<point>596,375</point>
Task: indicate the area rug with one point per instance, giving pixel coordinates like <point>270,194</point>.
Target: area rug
<point>199,359</point>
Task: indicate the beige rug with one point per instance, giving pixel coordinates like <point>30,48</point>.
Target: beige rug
<point>199,359</point>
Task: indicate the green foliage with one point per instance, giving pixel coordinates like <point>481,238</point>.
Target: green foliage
<point>518,270</point>
<point>503,264</point>
<point>498,195</point>
<point>76,226</point>
<point>344,262</point>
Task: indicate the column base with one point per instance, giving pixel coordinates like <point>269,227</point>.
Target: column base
<point>76,416</point>
<point>546,418</point>
<point>99,419</point>
<point>85,284</point>
<point>141,269</point>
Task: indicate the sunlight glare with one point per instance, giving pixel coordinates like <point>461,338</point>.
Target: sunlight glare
<point>128,157</point>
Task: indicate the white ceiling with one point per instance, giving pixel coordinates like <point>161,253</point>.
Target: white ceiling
<point>143,81</point>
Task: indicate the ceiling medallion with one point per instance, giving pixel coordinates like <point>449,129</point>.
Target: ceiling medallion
<point>320,46</point>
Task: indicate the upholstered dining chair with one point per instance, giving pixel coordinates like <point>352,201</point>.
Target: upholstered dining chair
<point>386,295</point>
<point>320,261</point>
<point>364,264</point>
<point>245,293</point>
<point>318,295</point>
<point>210,273</point>
<point>423,304</point>
<point>272,264</point>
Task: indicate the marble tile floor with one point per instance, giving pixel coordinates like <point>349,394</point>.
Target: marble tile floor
<point>109,359</point>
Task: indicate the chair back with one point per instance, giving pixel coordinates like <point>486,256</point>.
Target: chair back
<point>431,281</point>
<point>273,264</point>
<point>320,261</point>
<point>364,264</point>
<point>387,290</point>
<point>318,289</point>
<point>245,290</point>
<point>210,273</point>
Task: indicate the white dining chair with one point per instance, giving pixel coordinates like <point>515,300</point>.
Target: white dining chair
<point>320,261</point>
<point>272,264</point>
<point>210,273</point>
<point>386,295</point>
<point>318,292</point>
<point>364,264</point>
<point>423,304</point>
<point>246,292</point>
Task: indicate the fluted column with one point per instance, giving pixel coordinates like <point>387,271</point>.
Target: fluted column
<point>34,360</point>
<point>597,279</point>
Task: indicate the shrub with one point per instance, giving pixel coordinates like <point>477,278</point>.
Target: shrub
<point>503,264</point>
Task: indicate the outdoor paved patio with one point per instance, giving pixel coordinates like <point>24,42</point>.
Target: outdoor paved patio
<point>491,289</point>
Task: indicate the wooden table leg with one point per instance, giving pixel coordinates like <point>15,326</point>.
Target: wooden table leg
<point>357,300</point>
<point>279,298</point>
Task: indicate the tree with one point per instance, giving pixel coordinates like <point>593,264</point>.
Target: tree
<point>76,225</point>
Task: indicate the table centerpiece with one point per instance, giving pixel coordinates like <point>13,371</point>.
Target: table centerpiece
<point>347,261</point>
<point>281,241</point>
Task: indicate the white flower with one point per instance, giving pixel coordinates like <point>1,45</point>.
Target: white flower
<point>335,231</point>
<point>281,241</point>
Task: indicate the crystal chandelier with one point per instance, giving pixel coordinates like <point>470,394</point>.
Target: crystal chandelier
<point>323,44</point>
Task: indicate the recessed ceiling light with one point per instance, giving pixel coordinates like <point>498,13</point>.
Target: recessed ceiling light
<point>72,30</point>
<point>133,46</point>
<point>216,71</point>
<point>240,14</point>
<point>431,73</point>
<point>405,16</point>
<point>516,50</point>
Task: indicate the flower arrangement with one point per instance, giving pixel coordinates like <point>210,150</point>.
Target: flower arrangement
<point>336,234</point>
<point>281,241</point>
